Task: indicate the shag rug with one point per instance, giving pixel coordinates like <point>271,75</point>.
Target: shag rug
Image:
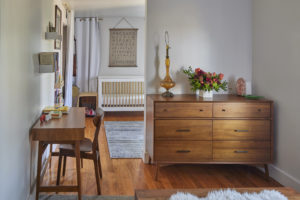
<point>125,138</point>
<point>232,195</point>
<point>74,197</point>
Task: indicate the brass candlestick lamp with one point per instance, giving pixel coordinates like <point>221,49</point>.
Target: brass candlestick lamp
<point>167,83</point>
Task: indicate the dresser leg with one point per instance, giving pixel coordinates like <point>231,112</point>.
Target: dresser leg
<point>266,171</point>
<point>156,172</point>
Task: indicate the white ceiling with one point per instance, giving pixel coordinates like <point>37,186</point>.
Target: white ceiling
<point>106,8</point>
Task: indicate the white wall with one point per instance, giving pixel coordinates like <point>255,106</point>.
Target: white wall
<point>110,22</point>
<point>24,92</point>
<point>215,35</point>
<point>119,9</point>
<point>276,69</point>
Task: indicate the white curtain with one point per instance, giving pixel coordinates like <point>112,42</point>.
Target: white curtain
<point>69,61</point>
<point>87,34</point>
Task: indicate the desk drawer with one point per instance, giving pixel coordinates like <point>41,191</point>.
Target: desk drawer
<point>241,151</point>
<point>183,110</point>
<point>247,110</point>
<point>183,129</point>
<point>241,130</point>
<point>183,151</point>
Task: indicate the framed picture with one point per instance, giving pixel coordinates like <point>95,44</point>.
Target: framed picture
<point>123,47</point>
<point>58,22</point>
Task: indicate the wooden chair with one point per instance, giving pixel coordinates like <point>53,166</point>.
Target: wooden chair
<point>88,150</point>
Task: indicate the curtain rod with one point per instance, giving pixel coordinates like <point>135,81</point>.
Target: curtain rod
<point>98,18</point>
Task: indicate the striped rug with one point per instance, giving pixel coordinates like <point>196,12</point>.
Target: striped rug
<point>125,138</point>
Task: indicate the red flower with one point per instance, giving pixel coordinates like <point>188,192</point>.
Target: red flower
<point>197,70</point>
<point>214,74</point>
<point>221,76</point>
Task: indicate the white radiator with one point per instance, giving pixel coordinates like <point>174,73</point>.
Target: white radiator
<point>121,93</point>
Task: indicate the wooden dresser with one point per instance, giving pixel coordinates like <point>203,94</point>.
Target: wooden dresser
<point>226,129</point>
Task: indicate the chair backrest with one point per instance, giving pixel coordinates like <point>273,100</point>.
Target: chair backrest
<point>97,123</point>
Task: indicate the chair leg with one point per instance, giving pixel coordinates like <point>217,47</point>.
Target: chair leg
<point>99,165</point>
<point>58,169</point>
<point>81,163</point>
<point>97,174</point>
<point>64,166</point>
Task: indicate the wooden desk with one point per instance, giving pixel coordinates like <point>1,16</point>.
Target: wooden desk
<point>67,130</point>
<point>165,194</point>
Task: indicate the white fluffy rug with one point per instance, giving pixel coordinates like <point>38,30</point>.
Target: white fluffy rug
<point>232,195</point>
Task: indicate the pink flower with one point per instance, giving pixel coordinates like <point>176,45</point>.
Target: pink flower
<point>221,76</point>
<point>197,70</point>
<point>214,74</point>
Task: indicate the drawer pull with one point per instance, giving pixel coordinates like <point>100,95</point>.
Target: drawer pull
<point>165,110</point>
<point>183,130</point>
<point>201,110</point>
<point>241,131</point>
<point>223,110</point>
<point>240,151</point>
<point>259,110</point>
<point>183,151</point>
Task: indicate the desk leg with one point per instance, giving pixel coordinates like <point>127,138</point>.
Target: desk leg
<point>39,167</point>
<point>77,154</point>
<point>50,155</point>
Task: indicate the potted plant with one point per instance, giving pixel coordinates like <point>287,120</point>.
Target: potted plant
<point>204,83</point>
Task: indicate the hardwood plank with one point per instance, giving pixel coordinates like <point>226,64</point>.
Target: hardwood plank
<point>123,176</point>
<point>58,188</point>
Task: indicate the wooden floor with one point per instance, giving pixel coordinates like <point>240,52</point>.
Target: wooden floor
<point>123,176</point>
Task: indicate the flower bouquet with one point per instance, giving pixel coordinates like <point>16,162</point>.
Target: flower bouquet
<point>204,83</point>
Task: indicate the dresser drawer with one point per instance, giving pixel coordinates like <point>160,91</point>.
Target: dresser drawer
<point>183,129</point>
<point>241,130</point>
<point>183,151</point>
<point>241,151</point>
<point>250,110</point>
<point>183,110</point>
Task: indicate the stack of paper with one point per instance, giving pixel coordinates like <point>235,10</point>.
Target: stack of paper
<point>63,109</point>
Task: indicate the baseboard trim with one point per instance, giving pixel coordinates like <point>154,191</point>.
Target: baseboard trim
<point>283,177</point>
<point>146,158</point>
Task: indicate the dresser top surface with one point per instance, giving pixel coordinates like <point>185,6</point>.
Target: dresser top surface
<point>194,98</point>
